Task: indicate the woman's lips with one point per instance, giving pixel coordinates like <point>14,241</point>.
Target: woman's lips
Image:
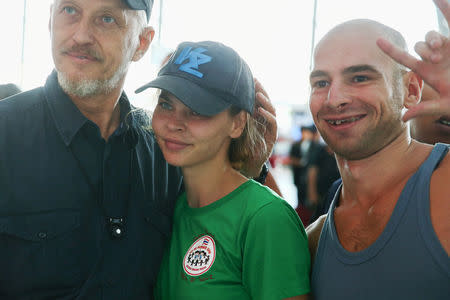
<point>175,145</point>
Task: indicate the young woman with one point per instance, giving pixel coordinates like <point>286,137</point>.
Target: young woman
<point>232,237</point>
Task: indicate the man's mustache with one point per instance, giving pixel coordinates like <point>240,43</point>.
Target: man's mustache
<point>84,51</point>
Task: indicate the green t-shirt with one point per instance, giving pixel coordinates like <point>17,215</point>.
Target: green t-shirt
<point>248,245</point>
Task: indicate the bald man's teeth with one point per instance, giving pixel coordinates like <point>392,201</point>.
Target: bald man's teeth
<point>339,122</point>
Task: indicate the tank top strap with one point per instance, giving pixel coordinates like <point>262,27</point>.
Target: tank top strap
<point>423,207</point>
<point>437,154</point>
<point>418,185</point>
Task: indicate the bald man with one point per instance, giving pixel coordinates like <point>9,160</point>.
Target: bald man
<point>389,234</point>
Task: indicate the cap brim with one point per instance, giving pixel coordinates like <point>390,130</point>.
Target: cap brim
<point>193,96</point>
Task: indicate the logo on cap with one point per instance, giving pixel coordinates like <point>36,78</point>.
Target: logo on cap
<point>196,58</point>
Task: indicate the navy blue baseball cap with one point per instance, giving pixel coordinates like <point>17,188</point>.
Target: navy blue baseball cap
<point>208,77</point>
<point>141,5</point>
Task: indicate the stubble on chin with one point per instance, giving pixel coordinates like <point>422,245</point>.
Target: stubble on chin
<point>83,87</point>
<point>370,141</point>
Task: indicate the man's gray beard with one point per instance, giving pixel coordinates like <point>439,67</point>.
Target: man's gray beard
<point>85,88</point>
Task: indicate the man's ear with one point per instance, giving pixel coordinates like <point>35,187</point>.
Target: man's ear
<point>239,122</point>
<point>145,39</point>
<point>413,85</point>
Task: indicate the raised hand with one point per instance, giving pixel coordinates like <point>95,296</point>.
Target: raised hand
<point>265,113</point>
<point>434,66</point>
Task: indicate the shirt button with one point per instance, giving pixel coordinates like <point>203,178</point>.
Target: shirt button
<point>42,235</point>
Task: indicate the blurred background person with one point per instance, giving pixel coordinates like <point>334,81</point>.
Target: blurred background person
<point>300,155</point>
<point>321,174</point>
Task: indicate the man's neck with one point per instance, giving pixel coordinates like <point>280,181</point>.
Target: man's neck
<point>383,174</point>
<point>103,110</point>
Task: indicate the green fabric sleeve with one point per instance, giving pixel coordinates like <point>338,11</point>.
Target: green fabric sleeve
<point>276,260</point>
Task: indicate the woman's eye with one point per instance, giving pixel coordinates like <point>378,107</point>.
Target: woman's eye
<point>194,113</point>
<point>165,105</point>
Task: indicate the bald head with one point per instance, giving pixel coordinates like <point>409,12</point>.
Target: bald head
<point>360,30</point>
<point>371,27</point>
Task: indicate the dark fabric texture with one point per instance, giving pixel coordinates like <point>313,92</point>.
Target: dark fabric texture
<point>60,181</point>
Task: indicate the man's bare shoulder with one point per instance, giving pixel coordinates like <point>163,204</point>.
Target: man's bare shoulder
<point>316,227</point>
<point>313,232</point>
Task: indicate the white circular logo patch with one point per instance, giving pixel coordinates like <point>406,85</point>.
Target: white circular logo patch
<point>200,256</point>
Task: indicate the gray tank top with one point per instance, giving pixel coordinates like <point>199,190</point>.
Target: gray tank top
<point>407,261</point>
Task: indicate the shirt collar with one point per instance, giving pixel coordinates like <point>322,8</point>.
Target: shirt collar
<point>68,118</point>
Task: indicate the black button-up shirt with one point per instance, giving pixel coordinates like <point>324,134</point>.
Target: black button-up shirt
<point>61,182</point>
